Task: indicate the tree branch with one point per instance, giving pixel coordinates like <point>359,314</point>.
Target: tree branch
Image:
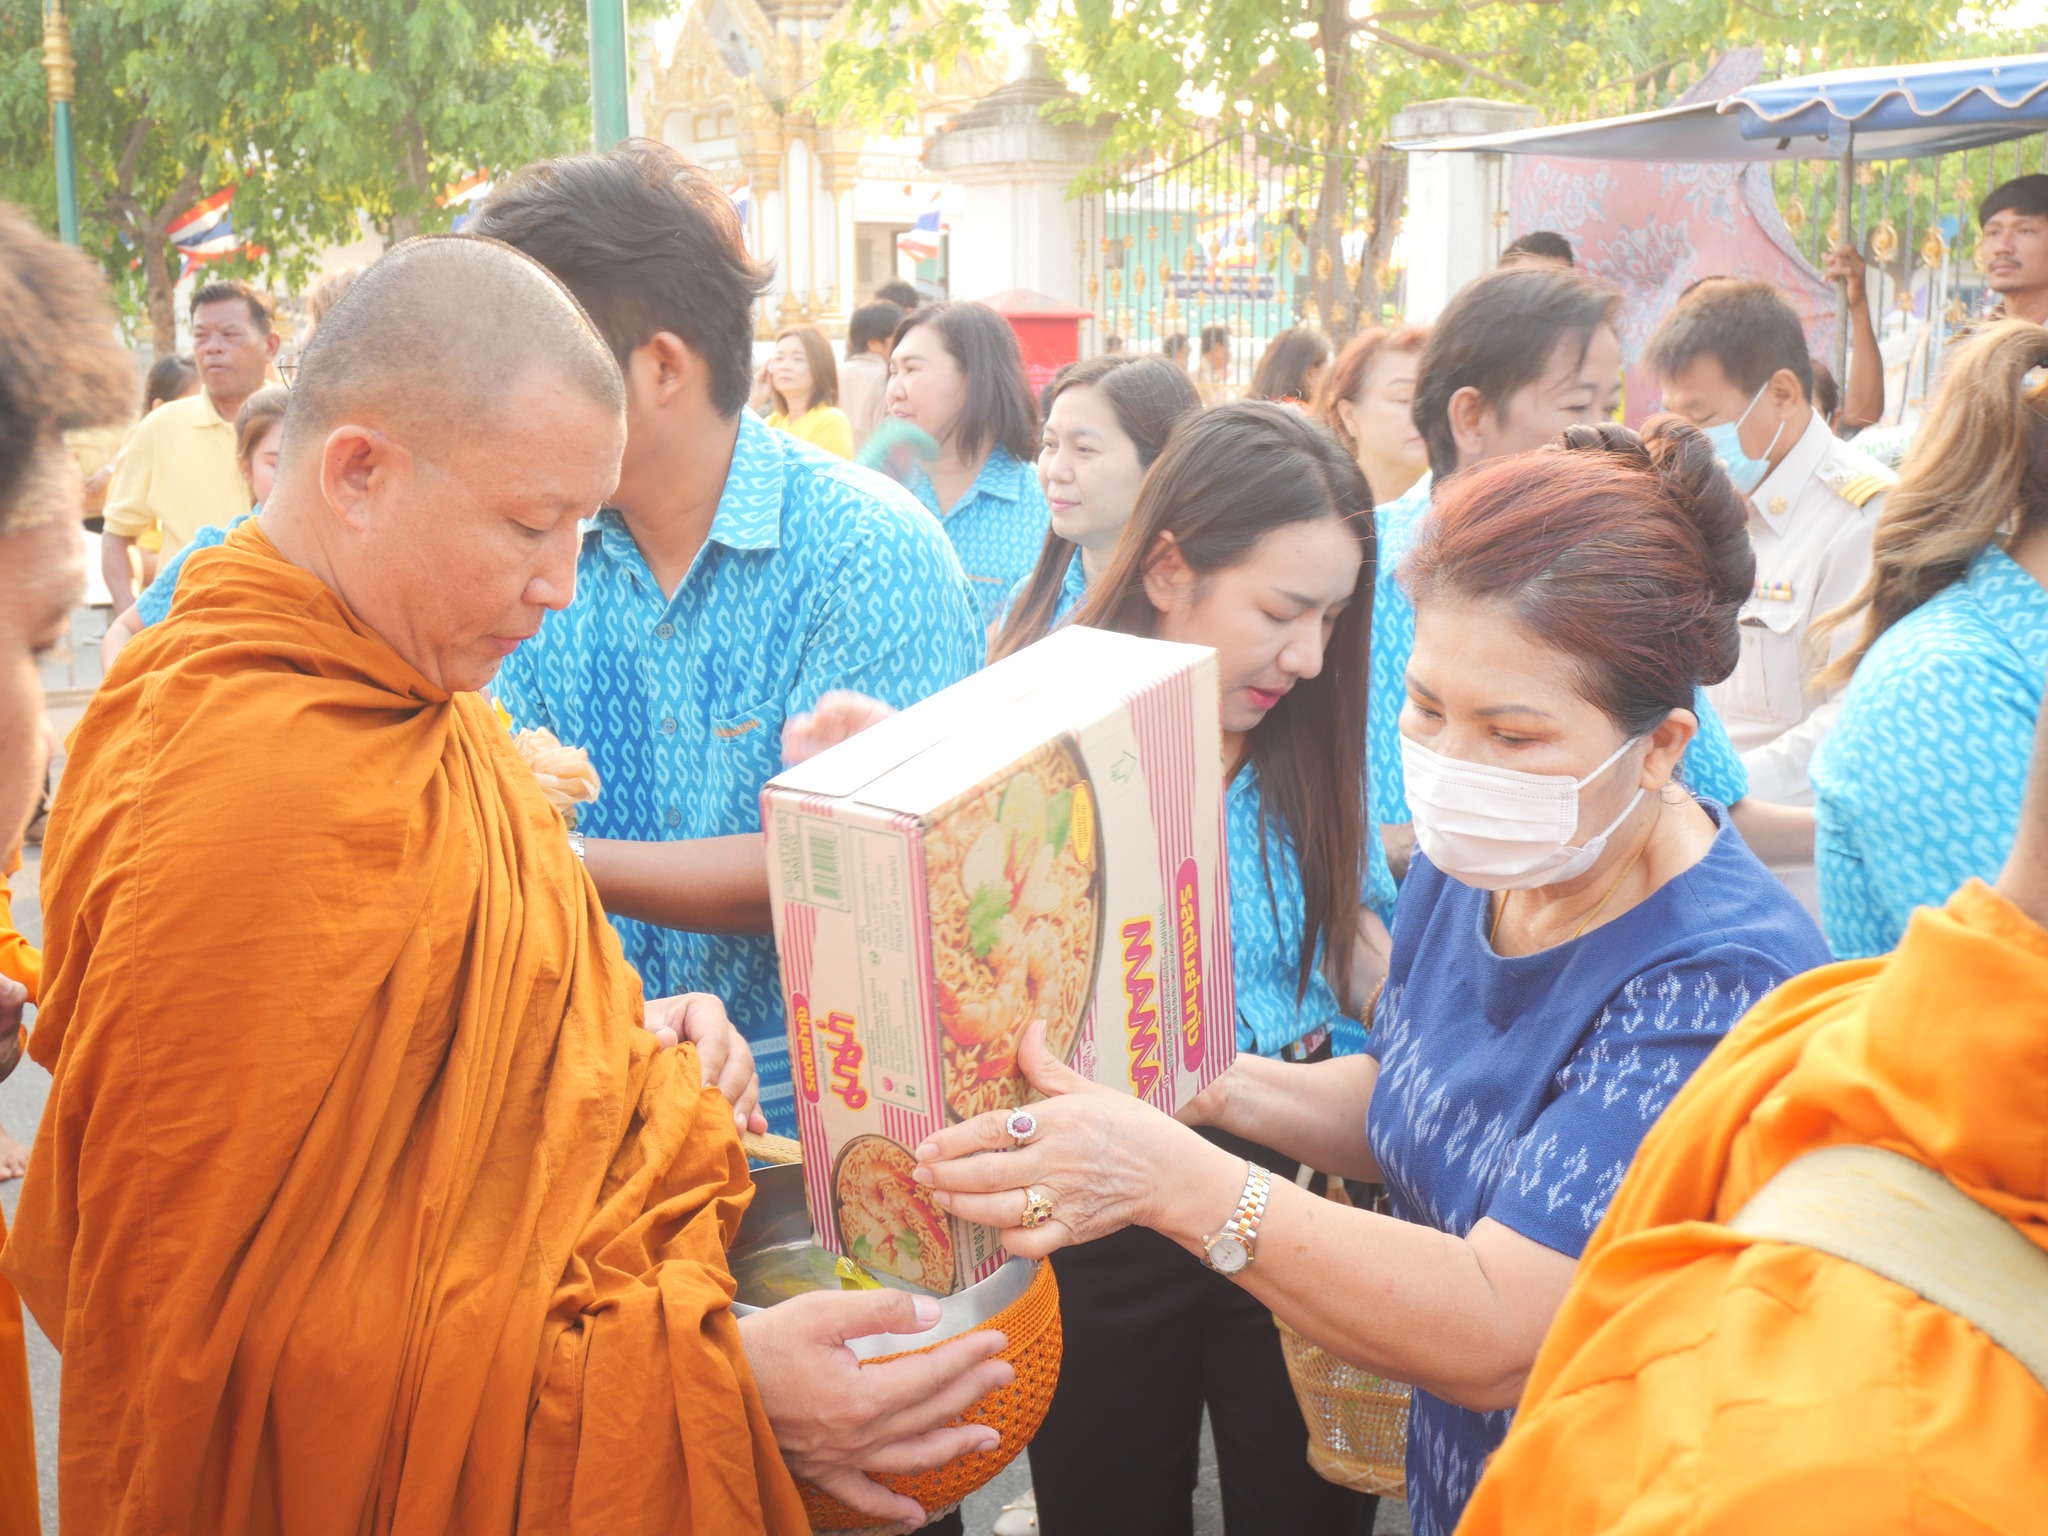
<point>1440,56</point>
<point>1433,13</point>
<point>124,170</point>
<point>1642,79</point>
<point>178,204</point>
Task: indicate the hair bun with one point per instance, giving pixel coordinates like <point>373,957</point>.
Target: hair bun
<point>1606,437</point>
<point>1694,477</point>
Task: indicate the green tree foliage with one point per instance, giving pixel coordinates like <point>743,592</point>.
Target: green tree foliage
<point>173,101</point>
<point>321,113</point>
<point>411,95</point>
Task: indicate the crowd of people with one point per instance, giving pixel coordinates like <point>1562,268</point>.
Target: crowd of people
<point>1617,820</point>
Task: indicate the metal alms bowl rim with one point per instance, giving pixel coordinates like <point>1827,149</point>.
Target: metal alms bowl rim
<point>779,1217</point>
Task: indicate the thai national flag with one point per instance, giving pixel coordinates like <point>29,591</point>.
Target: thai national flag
<point>205,232</point>
<point>466,194</point>
<point>920,242</point>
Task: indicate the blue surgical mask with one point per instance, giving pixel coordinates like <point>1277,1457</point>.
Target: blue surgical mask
<point>1726,437</point>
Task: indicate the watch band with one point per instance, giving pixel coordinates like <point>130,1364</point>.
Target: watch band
<point>1242,1230</point>
<point>576,846</point>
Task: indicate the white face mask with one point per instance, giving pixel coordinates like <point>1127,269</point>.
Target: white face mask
<point>1501,829</point>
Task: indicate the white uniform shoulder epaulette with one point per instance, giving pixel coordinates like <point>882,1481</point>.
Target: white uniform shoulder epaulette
<point>1855,477</point>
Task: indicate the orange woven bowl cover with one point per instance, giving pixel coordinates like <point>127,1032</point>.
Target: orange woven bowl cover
<point>1031,1323</point>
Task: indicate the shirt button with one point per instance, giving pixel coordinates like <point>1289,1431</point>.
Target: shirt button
<point>675,818</point>
<point>668,726</point>
<point>663,631</point>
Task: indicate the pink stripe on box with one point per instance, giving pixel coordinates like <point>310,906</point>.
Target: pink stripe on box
<point>927,968</point>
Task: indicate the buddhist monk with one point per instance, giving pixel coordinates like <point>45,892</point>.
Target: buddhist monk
<point>60,370</point>
<point>1705,1380</point>
<point>364,1202</point>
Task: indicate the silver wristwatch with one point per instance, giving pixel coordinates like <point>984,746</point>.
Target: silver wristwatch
<point>1231,1250</point>
<point>576,846</point>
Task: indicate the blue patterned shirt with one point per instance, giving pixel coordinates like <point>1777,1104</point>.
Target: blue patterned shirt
<point>817,575</point>
<point>1918,786</point>
<point>1073,588</point>
<point>1712,767</point>
<point>1519,1087</point>
<point>996,528</point>
<point>153,602</point>
<point>1266,924</point>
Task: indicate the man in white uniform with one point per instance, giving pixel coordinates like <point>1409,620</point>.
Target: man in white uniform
<point>1733,361</point>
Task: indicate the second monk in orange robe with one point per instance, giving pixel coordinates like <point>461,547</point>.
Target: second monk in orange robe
<point>1703,1381</point>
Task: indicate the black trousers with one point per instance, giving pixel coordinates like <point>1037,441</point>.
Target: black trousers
<point>1153,1336</point>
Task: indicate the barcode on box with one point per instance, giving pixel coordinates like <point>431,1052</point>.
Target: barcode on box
<point>824,865</point>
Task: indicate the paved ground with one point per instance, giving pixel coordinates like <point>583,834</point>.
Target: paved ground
<point>980,1511</point>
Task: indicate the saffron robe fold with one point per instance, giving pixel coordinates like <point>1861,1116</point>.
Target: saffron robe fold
<point>20,1504</point>
<point>19,960</point>
<point>1697,1380</point>
<point>20,1497</point>
<point>363,1202</point>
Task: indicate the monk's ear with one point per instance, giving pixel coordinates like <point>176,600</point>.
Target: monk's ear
<point>357,467</point>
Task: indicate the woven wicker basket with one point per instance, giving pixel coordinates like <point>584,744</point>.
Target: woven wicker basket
<point>1031,1323</point>
<point>1357,1422</point>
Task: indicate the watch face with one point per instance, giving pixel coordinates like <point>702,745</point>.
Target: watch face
<point>1227,1254</point>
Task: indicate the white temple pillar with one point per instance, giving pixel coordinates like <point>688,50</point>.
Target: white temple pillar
<point>1456,219</point>
<point>799,201</point>
<point>1019,228</point>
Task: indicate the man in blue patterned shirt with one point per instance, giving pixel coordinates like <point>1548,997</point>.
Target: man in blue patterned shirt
<point>737,577</point>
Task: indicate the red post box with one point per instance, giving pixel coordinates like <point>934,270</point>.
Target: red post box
<point>1047,330</point>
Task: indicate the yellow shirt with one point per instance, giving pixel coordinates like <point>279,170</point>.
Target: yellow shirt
<point>177,473</point>
<point>823,426</point>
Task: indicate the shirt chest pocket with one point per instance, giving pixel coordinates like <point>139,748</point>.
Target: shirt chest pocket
<point>1770,677</point>
<point>743,754</point>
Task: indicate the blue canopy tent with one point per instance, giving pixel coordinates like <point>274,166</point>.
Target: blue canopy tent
<point>1883,113</point>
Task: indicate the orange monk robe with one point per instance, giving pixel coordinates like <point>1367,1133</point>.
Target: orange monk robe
<point>19,960</point>
<point>20,1499</point>
<point>20,1506</point>
<point>1700,1381</point>
<point>363,1202</point>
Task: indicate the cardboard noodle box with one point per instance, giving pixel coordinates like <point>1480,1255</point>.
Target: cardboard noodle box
<point>1043,840</point>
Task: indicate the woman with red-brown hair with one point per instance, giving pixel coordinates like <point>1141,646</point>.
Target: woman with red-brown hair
<point>1575,935</point>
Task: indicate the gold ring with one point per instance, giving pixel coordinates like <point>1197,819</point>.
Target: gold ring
<point>1037,1208</point>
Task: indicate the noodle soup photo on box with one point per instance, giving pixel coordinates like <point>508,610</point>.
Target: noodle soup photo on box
<point>1041,841</point>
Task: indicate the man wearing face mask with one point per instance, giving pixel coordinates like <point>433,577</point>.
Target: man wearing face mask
<point>1733,360</point>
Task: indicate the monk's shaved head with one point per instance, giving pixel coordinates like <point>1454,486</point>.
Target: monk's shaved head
<point>427,341</point>
<point>456,419</point>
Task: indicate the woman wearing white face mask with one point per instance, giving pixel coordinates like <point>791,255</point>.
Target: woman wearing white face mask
<point>1106,421</point>
<point>1574,937</point>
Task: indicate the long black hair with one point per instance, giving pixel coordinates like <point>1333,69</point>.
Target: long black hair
<point>1229,477</point>
<point>1150,397</point>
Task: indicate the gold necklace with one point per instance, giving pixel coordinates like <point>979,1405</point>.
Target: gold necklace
<point>1626,869</point>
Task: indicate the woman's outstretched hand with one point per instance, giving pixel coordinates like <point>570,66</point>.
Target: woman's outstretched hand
<point>1100,1156</point>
